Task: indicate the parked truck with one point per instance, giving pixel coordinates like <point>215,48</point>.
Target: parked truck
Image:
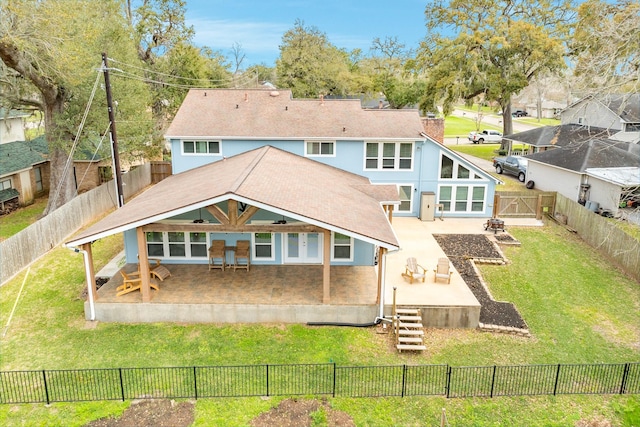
<point>512,165</point>
<point>485,136</point>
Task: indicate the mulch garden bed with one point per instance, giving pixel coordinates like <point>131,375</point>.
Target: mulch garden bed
<point>460,249</point>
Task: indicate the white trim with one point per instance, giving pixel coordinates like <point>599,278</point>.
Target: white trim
<point>320,141</point>
<point>351,249</point>
<point>254,245</point>
<point>225,197</point>
<point>291,138</point>
<point>396,157</point>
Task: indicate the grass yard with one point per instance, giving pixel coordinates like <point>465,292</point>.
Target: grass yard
<point>461,126</point>
<point>21,218</point>
<point>578,307</point>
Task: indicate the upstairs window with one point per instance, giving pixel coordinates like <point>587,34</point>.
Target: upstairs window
<point>388,156</point>
<point>320,148</point>
<point>201,147</point>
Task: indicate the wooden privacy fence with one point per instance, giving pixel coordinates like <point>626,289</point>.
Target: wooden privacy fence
<point>602,234</point>
<point>159,171</point>
<point>22,248</point>
<point>523,204</point>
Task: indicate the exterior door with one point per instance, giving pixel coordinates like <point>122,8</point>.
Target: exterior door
<point>303,248</point>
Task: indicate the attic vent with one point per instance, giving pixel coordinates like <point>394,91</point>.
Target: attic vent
<point>274,93</point>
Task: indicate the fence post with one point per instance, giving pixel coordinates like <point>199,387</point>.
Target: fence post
<point>267,367</point>
<point>195,383</point>
<point>121,384</point>
<point>46,388</point>
<point>625,375</point>
<point>555,386</point>
<point>334,380</point>
<point>493,379</point>
<point>404,381</point>
<point>448,380</point>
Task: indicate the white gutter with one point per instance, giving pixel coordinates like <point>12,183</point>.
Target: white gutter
<point>87,269</point>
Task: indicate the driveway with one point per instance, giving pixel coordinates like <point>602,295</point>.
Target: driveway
<point>494,120</point>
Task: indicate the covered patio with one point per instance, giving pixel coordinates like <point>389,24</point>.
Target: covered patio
<point>265,293</point>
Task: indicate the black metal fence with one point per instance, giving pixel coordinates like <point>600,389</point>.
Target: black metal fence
<point>316,379</point>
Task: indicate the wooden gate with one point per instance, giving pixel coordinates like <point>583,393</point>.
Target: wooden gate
<point>159,171</point>
<point>523,204</point>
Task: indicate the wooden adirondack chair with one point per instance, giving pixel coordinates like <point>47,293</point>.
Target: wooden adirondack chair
<point>414,271</point>
<point>443,270</point>
<point>157,270</point>
<point>131,282</point>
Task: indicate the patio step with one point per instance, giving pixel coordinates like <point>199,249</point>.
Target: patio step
<point>415,347</point>
<point>410,331</point>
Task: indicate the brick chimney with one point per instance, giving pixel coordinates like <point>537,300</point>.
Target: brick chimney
<point>434,127</point>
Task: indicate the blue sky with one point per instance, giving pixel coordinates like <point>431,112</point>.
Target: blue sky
<point>259,25</point>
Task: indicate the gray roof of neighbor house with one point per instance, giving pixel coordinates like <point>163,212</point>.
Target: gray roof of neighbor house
<point>595,153</point>
<point>9,114</point>
<point>275,114</point>
<point>559,136</point>
<point>625,176</point>
<point>18,155</point>
<point>270,179</point>
<point>626,105</point>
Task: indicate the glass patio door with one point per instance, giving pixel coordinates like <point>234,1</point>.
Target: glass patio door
<point>303,248</point>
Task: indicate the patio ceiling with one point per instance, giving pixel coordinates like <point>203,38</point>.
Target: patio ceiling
<point>270,179</point>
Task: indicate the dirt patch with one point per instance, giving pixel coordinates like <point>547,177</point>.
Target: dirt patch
<point>460,249</point>
<point>301,413</point>
<point>151,413</point>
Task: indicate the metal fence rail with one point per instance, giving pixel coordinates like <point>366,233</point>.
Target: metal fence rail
<point>75,385</point>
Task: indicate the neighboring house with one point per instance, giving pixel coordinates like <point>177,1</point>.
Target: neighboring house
<point>565,169</point>
<point>616,189</point>
<point>548,109</point>
<point>306,182</point>
<point>24,168</point>
<point>11,126</point>
<point>551,137</point>
<point>616,112</point>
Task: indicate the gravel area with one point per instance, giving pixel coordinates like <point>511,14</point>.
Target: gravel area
<point>460,248</point>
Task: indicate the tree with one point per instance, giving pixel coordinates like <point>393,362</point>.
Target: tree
<point>309,65</point>
<point>53,47</point>
<point>606,45</point>
<point>394,72</point>
<point>499,47</point>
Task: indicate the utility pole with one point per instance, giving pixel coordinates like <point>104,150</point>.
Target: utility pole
<point>114,137</point>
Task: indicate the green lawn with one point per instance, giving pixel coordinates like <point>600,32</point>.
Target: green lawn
<point>569,296</point>
<point>21,218</point>
<point>461,126</point>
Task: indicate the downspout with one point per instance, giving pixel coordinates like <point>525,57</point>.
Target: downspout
<point>87,269</point>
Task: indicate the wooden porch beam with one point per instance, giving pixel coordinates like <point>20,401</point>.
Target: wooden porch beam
<point>143,260</point>
<point>247,214</point>
<point>227,228</point>
<point>381,252</point>
<point>232,211</point>
<point>390,213</point>
<point>218,214</point>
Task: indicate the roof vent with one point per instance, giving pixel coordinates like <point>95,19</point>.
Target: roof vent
<point>274,93</point>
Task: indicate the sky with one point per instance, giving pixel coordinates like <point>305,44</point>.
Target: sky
<point>258,26</point>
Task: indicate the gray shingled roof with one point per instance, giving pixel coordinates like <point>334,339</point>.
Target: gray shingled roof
<point>18,155</point>
<point>259,113</point>
<point>271,179</point>
<point>595,153</point>
<point>559,136</point>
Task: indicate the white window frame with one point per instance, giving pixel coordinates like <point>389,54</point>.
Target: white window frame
<point>195,141</point>
<point>411,192</point>
<point>320,144</point>
<point>333,247</point>
<point>187,245</point>
<point>4,182</point>
<point>469,200</point>
<point>396,158</point>
<point>254,244</point>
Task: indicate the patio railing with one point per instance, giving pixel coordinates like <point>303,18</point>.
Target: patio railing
<point>76,385</point>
